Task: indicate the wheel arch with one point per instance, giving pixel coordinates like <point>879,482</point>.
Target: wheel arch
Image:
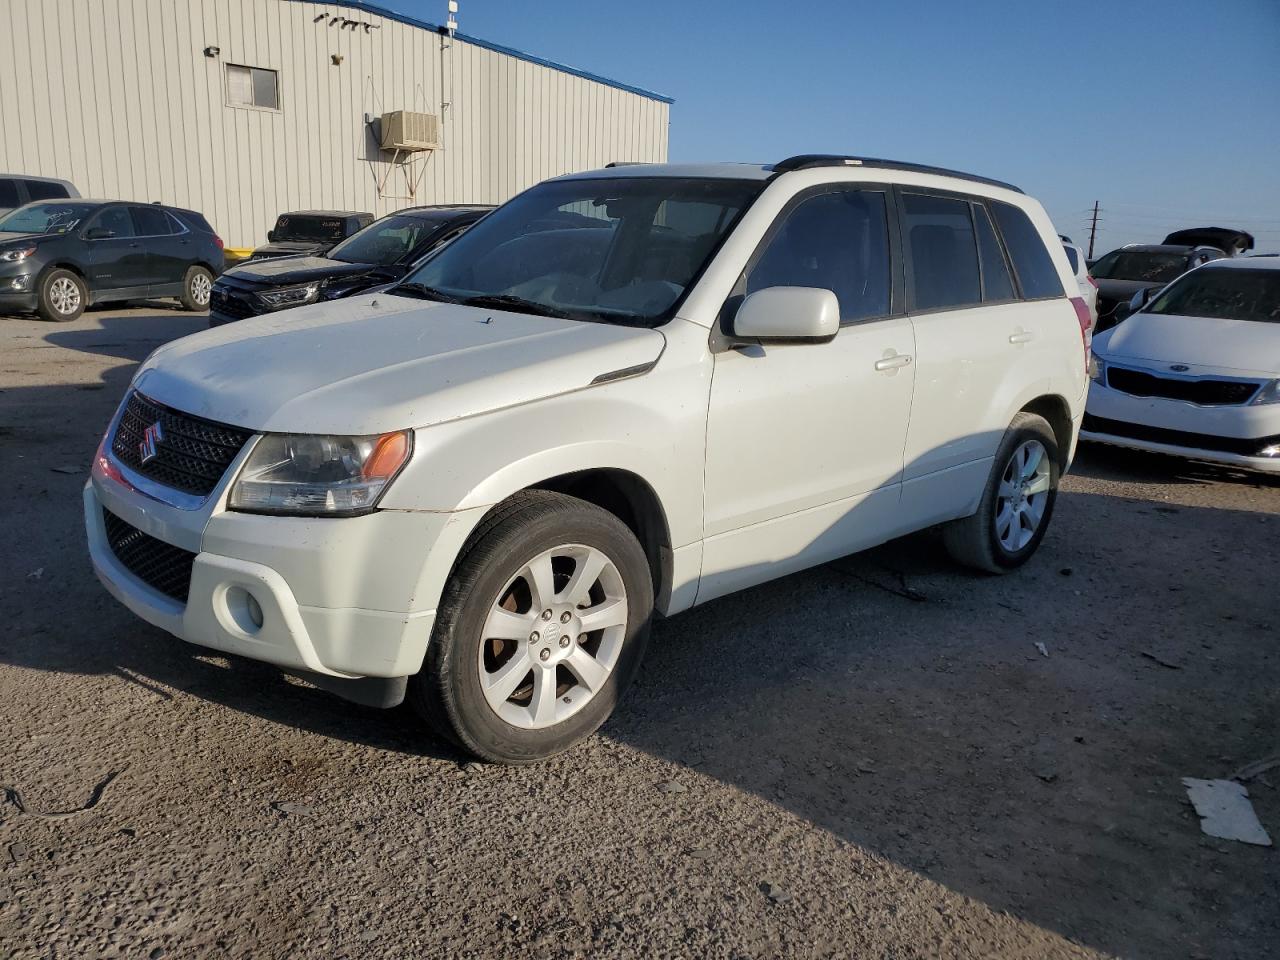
<point>1057,412</point>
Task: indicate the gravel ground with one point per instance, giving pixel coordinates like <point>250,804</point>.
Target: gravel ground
<point>869,759</point>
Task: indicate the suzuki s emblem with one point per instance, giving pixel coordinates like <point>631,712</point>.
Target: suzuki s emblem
<point>1179,367</point>
<point>150,437</point>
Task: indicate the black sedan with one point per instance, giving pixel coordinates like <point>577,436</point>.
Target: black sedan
<point>381,253</point>
<point>59,256</point>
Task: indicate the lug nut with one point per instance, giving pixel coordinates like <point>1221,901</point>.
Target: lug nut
<point>544,654</point>
<point>546,614</point>
<point>582,638</point>
<point>564,642</point>
<point>535,637</point>
<point>565,617</point>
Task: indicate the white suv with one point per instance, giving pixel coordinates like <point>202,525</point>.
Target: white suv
<point>623,393</point>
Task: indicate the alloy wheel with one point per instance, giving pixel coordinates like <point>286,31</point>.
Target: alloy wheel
<point>1022,496</point>
<point>64,296</point>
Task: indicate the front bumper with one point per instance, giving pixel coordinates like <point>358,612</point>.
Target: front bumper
<point>18,292</point>
<point>336,598</point>
<point>1233,434</point>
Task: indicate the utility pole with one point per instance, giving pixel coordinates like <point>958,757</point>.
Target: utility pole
<point>1093,230</point>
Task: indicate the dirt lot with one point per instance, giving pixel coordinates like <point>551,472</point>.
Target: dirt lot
<point>870,759</point>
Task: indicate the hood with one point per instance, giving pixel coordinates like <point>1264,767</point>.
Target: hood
<point>292,248</point>
<point>1239,346</point>
<point>373,363</point>
<point>286,270</point>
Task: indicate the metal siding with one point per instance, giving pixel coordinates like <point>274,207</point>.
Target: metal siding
<point>117,97</point>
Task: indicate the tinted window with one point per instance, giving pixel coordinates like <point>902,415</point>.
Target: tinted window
<point>292,226</point>
<point>1223,293</point>
<point>151,222</point>
<point>43,190</point>
<point>997,284</point>
<point>1031,261</point>
<point>944,253</point>
<point>1072,258</point>
<point>115,219</point>
<point>1143,265</point>
<point>834,241</point>
<point>385,241</point>
<point>8,193</point>
<point>614,250</point>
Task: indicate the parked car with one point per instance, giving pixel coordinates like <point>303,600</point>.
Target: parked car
<point>19,189</point>
<point>1087,286</point>
<point>381,253</point>
<point>1196,372</point>
<point>1141,266</point>
<point>309,233</point>
<point>622,393</point>
<point>58,257</point>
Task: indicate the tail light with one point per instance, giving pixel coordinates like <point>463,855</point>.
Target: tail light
<point>1091,280</point>
<point>218,240</point>
<point>1086,321</point>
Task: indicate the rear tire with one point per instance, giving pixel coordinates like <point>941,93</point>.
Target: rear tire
<point>1017,503</point>
<point>196,287</point>
<point>551,598</point>
<point>61,296</point>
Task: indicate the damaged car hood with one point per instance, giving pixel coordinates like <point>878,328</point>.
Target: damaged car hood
<point>376,362</point>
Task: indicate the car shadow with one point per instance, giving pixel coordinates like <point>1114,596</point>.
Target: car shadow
<point>887,698</point>
<point>1102,461</point>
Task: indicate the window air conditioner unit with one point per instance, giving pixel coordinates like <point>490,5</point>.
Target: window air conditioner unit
<point>406,131</point>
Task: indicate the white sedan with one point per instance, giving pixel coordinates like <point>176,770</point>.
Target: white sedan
<point>1196,372</point>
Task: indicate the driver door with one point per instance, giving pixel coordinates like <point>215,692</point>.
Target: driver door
<point>805,441</point>
<point>115,260</point>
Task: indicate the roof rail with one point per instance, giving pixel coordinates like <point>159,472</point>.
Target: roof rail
<point>625,163</point>
<point>806,161</point>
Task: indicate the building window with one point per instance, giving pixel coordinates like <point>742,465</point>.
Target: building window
<point>252,87</point>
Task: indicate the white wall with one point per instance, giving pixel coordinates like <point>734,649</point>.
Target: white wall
<point>118,97</point>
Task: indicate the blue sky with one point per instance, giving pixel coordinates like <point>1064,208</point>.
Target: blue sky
<point>1165,111</point>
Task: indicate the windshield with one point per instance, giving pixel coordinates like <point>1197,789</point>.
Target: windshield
<point>620,250</point>
<point>291,226</point>
<point>46,217</point>
<point>385,241</point>
<point>1148,267</point>
<point>1223,294</point>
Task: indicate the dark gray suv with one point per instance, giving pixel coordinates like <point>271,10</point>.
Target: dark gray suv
<point>58,257</point>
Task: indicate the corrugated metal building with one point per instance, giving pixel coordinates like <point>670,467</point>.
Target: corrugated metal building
<point>243,109</point>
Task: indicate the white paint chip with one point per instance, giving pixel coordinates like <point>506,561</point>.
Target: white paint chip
<point>1225,810</point>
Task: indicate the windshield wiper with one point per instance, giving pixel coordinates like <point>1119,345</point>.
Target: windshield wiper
<point>504,301</point>
<point>423,292</point>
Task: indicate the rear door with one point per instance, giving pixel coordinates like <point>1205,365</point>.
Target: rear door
<point>973,333</point>
<point>115,259</point>
<point>165,254</point>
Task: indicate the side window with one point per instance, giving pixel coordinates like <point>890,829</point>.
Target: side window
<point>115,219</point>
<point>944,253</point>
<point>1072,259</point>
<point>1031,261</point>
<point>151,222</point>
<point>44,190</point>
<point>175,225</point>
<point>997,284</point>
<point>8,193</point>
<point>838,241</point>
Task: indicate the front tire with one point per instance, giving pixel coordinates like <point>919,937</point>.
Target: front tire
<point>540,631</point>
<point>1017,503</point>
<point>62,296</point>
<point>196,287</point>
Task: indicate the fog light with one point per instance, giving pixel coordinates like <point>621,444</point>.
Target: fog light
<point>19,283</point>
<point>255,610</point>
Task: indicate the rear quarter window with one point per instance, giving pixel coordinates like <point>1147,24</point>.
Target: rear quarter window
<point>1032,263</point>
<point>8,193</point>
<point>44,190</point>
<point>1072,259</point>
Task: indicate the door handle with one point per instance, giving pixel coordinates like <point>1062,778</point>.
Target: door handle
<point>1022,336</point>
<point>893,363</point>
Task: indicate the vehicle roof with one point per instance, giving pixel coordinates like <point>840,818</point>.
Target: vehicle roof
<point>440,211</point>
<point>1243,263</point>
<point>325,213</point>
<point>1162,248</point>
<point>32,176</point>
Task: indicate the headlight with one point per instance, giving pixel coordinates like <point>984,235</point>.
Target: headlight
<point>1097,369</point>
<point>17,255</point>
<point>290,296</point>
<point>1270,393</point>
<point>319,476</point>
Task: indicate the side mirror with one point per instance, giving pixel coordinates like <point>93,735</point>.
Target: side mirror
<point>99,233</point>
<point>788,314</point>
